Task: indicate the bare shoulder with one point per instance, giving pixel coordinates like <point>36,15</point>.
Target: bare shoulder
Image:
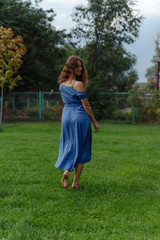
<point>79,86</point>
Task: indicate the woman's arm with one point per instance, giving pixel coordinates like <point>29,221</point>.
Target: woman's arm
<point>89,111</point>
<point>79,87</point>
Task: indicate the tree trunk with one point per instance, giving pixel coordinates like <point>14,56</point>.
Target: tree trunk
<point>1,110</point>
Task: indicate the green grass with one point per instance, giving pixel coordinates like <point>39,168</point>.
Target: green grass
<point>119,194</point>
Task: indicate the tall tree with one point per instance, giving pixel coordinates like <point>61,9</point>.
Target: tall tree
<point>46,45</point>
<point>151,72</point>
<point>11,52</point>
<point>103,27</point>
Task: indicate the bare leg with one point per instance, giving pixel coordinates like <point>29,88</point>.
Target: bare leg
<point>77,175</point>
<point>65,178</point>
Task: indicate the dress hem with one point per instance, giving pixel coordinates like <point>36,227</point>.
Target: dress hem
<point>74,166</point>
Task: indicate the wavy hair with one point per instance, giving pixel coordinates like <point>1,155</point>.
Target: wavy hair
<point>71,64</point>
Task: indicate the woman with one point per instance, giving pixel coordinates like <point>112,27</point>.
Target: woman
<point>76,135</point>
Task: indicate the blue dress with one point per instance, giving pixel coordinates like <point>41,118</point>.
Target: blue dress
<point>76,132</point>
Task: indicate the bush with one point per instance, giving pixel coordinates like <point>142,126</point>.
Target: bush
<point>146,104</point>
<point>122,115</point>
<point>16,113</point>
<point>53,112</point>
<point>33,113</point>
<point>103,105</point>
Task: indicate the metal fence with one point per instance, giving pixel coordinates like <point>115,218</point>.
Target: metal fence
<point>48,105</point>
<point>117,105</point>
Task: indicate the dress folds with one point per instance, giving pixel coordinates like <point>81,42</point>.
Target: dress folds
<point>76,132</point>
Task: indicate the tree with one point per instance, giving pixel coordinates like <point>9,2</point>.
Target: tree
<point>151,72</point>
<point>46,45</point>
<point>11,52</point>
<point>103,27</point>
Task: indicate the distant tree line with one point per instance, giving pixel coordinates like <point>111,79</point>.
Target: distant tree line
<point>101,30</point>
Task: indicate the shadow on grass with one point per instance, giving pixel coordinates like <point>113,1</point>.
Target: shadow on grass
<point>117,189</point>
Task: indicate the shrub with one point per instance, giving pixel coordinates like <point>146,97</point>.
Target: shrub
<point>53,112</point>
<point>33,113</point>
<point>146,104</point>
<point>122,115</point>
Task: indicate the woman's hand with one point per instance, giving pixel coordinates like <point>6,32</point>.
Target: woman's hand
<point>96,126</point>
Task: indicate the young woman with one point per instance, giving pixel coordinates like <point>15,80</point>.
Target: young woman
<point>76,134</point>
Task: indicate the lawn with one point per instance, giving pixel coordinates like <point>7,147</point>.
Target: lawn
<point>119,194</point>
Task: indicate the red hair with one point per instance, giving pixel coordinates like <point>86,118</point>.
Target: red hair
<point>71,64</point>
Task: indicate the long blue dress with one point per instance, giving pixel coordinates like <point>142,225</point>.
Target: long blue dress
<point>76,133</point>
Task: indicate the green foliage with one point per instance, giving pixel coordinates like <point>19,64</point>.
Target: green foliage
<point>111,19</point>
<point>33,113</point>
<point>53,113</point>
<point>106,104</point>
<point>102,106</point>
<point>46,53</point>
<point>103,27</point>
<point>11,51</point>
<point>151,72</point>
<point>147,104</point>
<point>122,115</point>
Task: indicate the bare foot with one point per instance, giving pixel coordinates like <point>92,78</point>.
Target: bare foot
<point>65,179</point>
<point>75,185</point>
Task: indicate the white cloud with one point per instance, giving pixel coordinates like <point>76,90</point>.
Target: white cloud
<point>63,10</point>
<point>52,1</point>
<point>71,2</point>
<point>62,15</point>
<point>59,27</point>
<point>149,8</point>
<point>78,1</point>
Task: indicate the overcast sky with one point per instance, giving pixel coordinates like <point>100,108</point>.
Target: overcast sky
<point>143,47</point>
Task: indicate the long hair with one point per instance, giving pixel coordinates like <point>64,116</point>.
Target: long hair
<point>71,64</point>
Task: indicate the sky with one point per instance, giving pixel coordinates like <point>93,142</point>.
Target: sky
<point>143,47</point>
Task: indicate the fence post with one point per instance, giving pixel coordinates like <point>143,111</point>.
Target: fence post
<point>47,103</point>
<point>40,104</point>
<point>1,110</point>
<point>13,103</point>
<point>37,102</point>
<point>27,103</point>
<point>133,108</point>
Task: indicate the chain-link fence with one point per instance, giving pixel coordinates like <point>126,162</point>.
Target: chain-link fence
<point>49,105</point>
<point>33,105</point>
<point>117,106</point>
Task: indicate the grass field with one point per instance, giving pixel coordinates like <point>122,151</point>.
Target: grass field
<point>119,194</point>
